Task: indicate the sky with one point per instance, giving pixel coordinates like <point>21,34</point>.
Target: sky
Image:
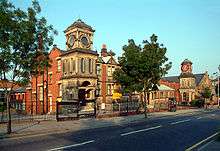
<point>187,28</point>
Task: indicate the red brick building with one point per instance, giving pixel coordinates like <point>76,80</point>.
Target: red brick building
<point>188,86</point>
<point>37,103</point>
<point>106,65</point>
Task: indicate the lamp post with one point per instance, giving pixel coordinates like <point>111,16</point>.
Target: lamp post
<point>216,73</point>
<point>218,85</point>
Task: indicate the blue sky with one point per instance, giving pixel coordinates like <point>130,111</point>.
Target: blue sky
<point>188,28</point>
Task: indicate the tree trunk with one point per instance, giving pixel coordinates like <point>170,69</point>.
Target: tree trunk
<point>47,90</point>
<point>36,94</point>
<point>43,92</point>
<point>9,114</point>
<point>31,100</point>
<point>145,105</point>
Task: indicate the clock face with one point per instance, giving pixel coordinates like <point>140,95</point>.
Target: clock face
<point>71,41</point>
<point>185,68</point>
<point>85,41</point>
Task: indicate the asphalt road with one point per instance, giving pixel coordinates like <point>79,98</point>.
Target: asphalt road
<point>171,133</point>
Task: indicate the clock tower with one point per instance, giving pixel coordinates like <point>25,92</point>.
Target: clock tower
<point>79,78</point>
<point>187,82</point>
<point>79,35</point>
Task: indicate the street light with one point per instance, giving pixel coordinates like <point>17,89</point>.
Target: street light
<point>216,73</point>
<point>218,84</point>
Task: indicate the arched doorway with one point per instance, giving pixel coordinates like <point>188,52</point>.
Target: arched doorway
<point>83,92</point>
<point>185,97</point>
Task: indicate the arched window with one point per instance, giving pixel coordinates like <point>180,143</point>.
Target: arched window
<point>90,66</point>
<point>82,65</point>
<point>73,65</point>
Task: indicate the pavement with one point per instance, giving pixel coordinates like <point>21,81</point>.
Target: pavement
<point>29,128</point>
<point>181,130</point>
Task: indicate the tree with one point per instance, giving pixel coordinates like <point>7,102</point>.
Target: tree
<point>142,68</point>
<point>126,76</point>
<point>152,67</point>
<point>19,34</point>
<point>206,94</point>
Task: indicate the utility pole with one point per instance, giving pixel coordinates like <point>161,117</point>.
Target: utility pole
<point>218,84</point>
<point>218,73</point>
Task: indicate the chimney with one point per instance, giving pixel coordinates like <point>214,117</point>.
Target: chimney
<point>104,52</point>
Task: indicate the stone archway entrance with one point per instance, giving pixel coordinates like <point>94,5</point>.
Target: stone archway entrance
<point>86,99</point>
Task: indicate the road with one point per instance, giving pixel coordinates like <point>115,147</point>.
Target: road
<point>171,133</point>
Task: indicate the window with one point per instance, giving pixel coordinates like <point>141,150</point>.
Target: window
<point>161,94</point>
<point>50,78</point>
<point>59,65</point>
<point>41,93</point>
<point>82,65</point>
<point>109,71</point>
<point>90,66</point>
<point>68,66</point>
<point>98,89</point>
<point>109,89</point>
<point>171,94</point>
<point>98,69</point>
<point>113,70</point>
<point>60,90</point>
<point>64,65</point>
<point>73,65</point>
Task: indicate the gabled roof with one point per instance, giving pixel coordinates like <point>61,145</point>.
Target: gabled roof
<point>163,87</point>
<point>79,24</point>
<point>199,77</point>
<point>107,60</point>
<point>171,79</point>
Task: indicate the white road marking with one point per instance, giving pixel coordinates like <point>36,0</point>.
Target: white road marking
<point>173,123</point>
<point>199,143</point>
<point>74,145</point>
<point>142,130</point>
<point>205,145</point>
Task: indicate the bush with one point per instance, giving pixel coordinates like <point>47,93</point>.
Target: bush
<point>197,103</point>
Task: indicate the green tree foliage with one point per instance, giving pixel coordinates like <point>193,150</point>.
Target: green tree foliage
<point>207,93</point>
<point>127,74</point>
<point>19,42</point>
<point>142,67</point>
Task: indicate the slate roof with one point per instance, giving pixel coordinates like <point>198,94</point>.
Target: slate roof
<point>79,24</point>
<point>20,90</point>
<point>79,50</point>
<point>198,78</point>
<point>171,79</point>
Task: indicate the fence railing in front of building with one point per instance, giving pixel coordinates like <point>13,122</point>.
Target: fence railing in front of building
<point>122,107</point>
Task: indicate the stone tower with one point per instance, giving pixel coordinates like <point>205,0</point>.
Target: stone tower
<point>79,77</point>
<point>187,82</point>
